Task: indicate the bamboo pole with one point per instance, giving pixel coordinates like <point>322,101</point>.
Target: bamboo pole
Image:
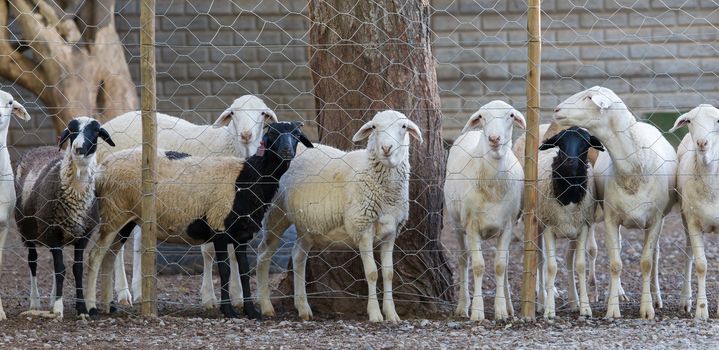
<point>530,164</point>
<point>149,149</point>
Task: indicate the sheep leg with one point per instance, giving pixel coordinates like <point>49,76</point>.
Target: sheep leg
<point>268,246</point>
<point>615,262</point>
<point>700,260</point>
<point>569,258</point>
<point>106,276</point>
<point>508,295</point>
<point>541,276</point>
<point>474,243</point>
<point>646,307</point>
<point>244,272</point>
<point>137,264</point>
<point>209,300</point>
<point>122,289</point>
<point>59,267</point>
<point>656,291</point>
<point>32,263</point>
<point>299,264</point>
<point>462,309</point>
<point>4,228</point>
<point>77,273</point>
<point>221,241</point>
<point>236,288</point>
<point>551,257</point>
<point>592,249</point>
<point>370,271</point>
<point>386,248</point>
<point>107,234</point>
<point>685,300</point>
<point>580,265</point>
<point>500,271</point>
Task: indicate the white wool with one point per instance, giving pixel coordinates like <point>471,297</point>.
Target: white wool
<point>697,185</point>
<point>634,178</point>
<point>353,199</point>
<point>483,195</point>
<point>8,108</point>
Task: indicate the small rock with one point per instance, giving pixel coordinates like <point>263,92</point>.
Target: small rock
<point>423,323</point>
<point>453,325</point>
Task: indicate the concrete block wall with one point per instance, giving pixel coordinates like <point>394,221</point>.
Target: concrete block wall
<point>658,55</point>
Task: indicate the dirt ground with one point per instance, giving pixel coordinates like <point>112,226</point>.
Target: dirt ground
<point>183,323</point>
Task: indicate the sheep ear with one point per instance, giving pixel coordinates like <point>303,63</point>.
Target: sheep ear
<point>519,120</point>
<point>683,120</point>
<point>63,137</point>
<point>596,144</point>
<point>270,116</point>
<point>224,119</point>
<point>603,102</point>
<point>363,132</point>
<point>305,141</point>
<point>475,121</point>
<point>548,143</point>
<point>106,136</point>
<point>19,111</point>
<point>414,131</point>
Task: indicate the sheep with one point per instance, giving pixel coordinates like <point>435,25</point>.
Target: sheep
<point>483,194</point>
<point>566,209</point>
<point>56,205</point>
<point>237,132</point>
<point>198,200</point>
<point>636,182</point>
<point>696,185</point>
<point>8,107</point>
<point>358,199</point>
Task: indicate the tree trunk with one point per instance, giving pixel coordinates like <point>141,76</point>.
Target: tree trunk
<point>70,56</point>
<point>368,56</point>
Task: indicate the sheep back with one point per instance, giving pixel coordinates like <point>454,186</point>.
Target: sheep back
<point>188,189</point>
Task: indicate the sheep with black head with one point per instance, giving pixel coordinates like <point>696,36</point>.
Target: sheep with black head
<point>56,205</point>
<point>566,210</point>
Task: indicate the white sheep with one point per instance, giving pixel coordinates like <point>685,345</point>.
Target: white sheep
<point>635,180</point>
<point>566,210</point>
<point>483,194</point>
<point>356,199</point>
<point>697,184</point>
<point>237,132</point>
<point>56,206</point>
<point>8,108</point>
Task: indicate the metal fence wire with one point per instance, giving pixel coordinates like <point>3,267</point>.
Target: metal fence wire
<point>390,209</point>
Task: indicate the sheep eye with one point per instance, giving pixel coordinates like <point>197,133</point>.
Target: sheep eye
<point>404,126</point>
<point>374,127</point>
<point>9,103</point>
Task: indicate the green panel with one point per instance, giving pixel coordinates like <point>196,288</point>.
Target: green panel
<point>664,121</point>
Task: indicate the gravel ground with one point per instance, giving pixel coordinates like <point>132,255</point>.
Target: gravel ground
<point>184,324</point>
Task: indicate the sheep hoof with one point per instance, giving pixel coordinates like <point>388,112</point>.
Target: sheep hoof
<point>124,298</point>
<point>3,317</point>
<point>702,310</point>
<point>686,305</point>
<point>113,308</point>
<point>613,312</point>
<point>646,311</point>
<point>228,311</point>
<point>267,311</point>
<point>251,312</point>
<point>461,311</point>
<point>94,314</point>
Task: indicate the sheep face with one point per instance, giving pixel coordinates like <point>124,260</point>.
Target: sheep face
<point>10,107</point>
<point>573,143</point>
<point>587,108</point>
<point>248,115</point>
<point>83,133</point>
<point>388,134</point>
<point>496,119</point>
<point>703,124</point>
<point>282,138</point>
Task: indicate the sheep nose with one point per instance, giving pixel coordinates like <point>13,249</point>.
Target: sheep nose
<point>246,136</point>
<point>702,144</point>
<point>494,140</point>
<point>556,110</point>
<point>386,149</point>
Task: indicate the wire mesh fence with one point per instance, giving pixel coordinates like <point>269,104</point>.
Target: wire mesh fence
<point>334,65</point>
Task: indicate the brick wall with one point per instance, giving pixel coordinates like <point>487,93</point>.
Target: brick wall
<point>658,55</point>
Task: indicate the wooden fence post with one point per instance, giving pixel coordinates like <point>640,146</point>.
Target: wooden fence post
<point>531,242</point>
<point>149,149</point>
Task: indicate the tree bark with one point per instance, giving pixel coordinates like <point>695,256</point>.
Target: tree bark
<point>70,57</point>
<point>368,56</point>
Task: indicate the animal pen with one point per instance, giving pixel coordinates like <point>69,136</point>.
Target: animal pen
<point>335,66</point>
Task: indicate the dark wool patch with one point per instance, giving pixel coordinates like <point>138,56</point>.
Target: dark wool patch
<point>174,155</point>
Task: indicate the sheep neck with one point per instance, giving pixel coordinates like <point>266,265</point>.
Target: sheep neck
<point>706,170</point>
<point>5,166</point>
<point>76,180</point>
<point>622,145</point>
<point>391,182</point>
<point>76,194</point>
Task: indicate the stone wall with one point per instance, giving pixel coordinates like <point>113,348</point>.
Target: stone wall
<point>658,55</point>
